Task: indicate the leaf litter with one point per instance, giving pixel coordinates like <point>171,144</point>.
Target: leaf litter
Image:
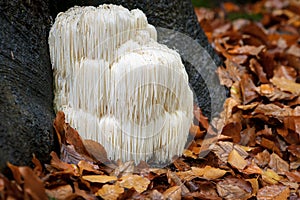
<point>257,155</point>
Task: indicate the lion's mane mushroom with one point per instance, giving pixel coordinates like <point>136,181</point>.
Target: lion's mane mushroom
<point>117,85</point>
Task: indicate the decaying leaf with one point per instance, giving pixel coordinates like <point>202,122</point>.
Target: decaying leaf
<point>236,160</point>
<point>99,178</point>
<point>139,183</point>
<point>273,192</point>
<point>60,192</point>
<point>110,192</point>
<point>271,177</point>
<point>33,186</point>
<point>209,172</point>
<point>278,164</point>
<point>173,193</point>
<point>234,188</point>
<point>286,85</point>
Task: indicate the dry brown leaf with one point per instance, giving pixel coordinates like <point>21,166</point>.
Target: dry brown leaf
<point>58,164</point>
<point>233,130</point>
<point>248,89</point>
<point>234,188</point>
<point>15,172</point>
<point>293,176</point>
<point>139,183</point>
<point>60,192</point>
<point>256,67</point>
<point>247,50</point>
<point>208,172</point>
<point>181,165</point>
<point>73,138</point>
<point>189,154</point>
<point>278,164</point>
<point>262,159</point>
<point>271,177</point>
<point>254,184</point>
<point>99,178</point>
<point>89,167</point>
<point>222,150</point>
<point>286,72</point>
<point>232,73</point>
<point>58,124</point>
<point>236,160</point>
<point>273,192</point>
<point>173,193</point>
<point>294,50</point>
<point>286,85</point>
<point>273,94</point>
<point>200,117</point>
<point>252,169</point>
<point>96,150</point>
<point>33,185</point>
<point>110,192</point>
<point>212,173</point>
<point>196,132</point>
<point>294,150</point>
<point>38,169</point>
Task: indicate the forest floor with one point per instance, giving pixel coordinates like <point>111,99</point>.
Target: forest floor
<point>255,156</point>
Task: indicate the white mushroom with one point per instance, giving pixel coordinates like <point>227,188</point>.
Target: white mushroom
<point>117,85</point>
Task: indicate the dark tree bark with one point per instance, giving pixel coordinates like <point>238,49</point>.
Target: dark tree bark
<point>179,29</point>
<point>26,111</point>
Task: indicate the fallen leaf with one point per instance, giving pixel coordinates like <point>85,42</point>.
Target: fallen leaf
<point>286,85</point>
<point>252,169</point>
<point>248,50</point>
<point>96,150</point>
<point>294,150</point>
<point>293,176</point>
<point>273,94</point>
<point>196,132</point>
<point>38,169</point>
<point>189,154</point>
<point>232,73</point>
<point>254,185</point>
<point>139,183</point>
<point>273,192</point>
<point>294,50</point>
<point>236,160</point>
<point>89,167</point>
<point>33,185</point>
<point>271,177</point>
<point>58,164</point>
<point>15,172</point>
<point>173,193</point>
<point>200,117</point>
<point>60,192</point>
<point>278,164</point>
<point>222,150</point>
<point>213,173</point>
<point>110,192</point>
<point>248,89</point>
<point>234,188</point>
<point>100,178</point>
<point>74,139</point>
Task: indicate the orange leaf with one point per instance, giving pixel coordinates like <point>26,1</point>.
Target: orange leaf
<point>273,192</point>
<point>99,178</point>
<point>139,183</point>
<point>110,192</point>
<point>236,160</point>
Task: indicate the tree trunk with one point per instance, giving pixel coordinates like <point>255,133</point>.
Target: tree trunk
<point>26,111</point>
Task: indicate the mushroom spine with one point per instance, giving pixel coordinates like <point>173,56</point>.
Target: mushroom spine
<point>117,85</point>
